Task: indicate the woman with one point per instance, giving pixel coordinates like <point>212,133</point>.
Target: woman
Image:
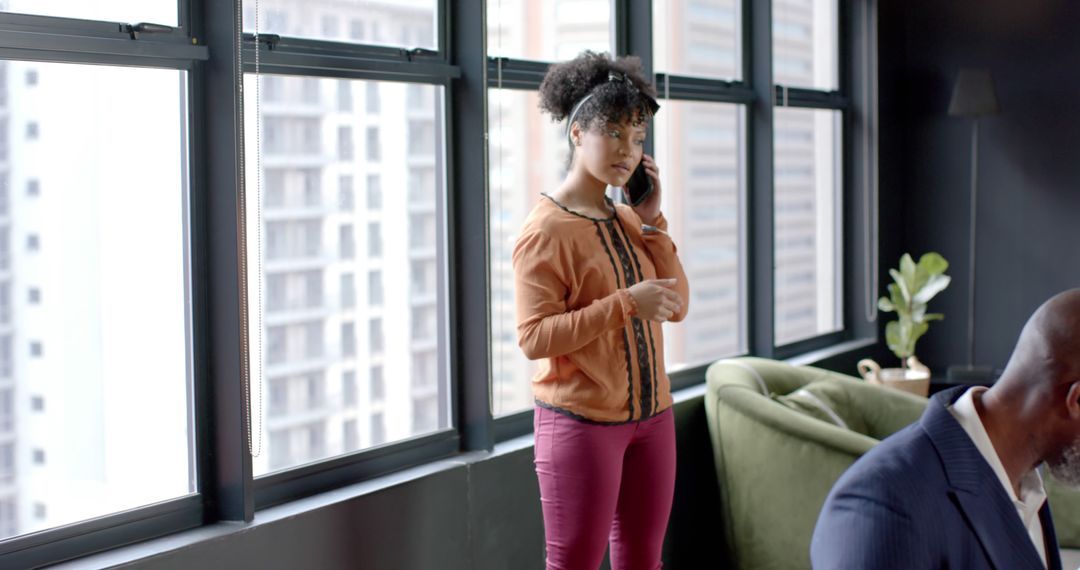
<point>594,281</point>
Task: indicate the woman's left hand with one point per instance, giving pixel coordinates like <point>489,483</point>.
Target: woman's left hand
<point>649,210</point>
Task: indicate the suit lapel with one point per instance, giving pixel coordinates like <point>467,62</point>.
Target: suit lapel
<point>1053,552</point>
<point>976,490</point>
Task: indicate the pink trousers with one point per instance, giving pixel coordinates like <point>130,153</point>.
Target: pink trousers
<point>601,483</point>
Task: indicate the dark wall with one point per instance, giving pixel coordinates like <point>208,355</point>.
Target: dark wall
<point>1029,160</point>
<point>480,514</point>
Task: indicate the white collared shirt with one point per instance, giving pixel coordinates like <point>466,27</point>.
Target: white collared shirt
<point>1032,495</point>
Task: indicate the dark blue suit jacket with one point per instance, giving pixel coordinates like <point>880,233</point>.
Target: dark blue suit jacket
<point>926,498</point>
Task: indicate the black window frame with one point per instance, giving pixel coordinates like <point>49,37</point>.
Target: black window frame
<point>227,490</point>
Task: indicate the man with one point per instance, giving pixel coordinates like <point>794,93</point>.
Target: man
<point>959,489</point>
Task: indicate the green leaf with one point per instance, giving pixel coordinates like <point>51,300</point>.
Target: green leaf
<point>917,330</point>
<point>908,270</point>
<point>934,285</point>
<point>933,317</point>
<point>902,284</point>
<point>933,263</point>
<point>892,338</point>
<point>918,311</point>
<point>886,305</point>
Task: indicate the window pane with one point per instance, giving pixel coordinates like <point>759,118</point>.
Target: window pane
<point>698,37</point>
<point>527,156</point>
<point>156,11</point>
<point>805,40</point>
<point>359,265</point>
<point>700,155</point>
<point>73,383</point>
<point>408,23</point>
<point>808,223</point>
<point>553,30</point>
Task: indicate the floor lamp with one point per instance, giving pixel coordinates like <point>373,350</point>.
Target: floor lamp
<point>973,96</point>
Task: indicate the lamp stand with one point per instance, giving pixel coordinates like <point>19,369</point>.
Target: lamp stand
<point>971,374</point>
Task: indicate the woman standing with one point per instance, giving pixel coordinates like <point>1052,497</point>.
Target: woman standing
<point>594,281</point>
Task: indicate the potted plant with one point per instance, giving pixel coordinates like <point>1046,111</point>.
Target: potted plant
<point>913,287</point>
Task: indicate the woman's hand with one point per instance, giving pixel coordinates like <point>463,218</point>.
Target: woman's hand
<point>649,210</point>
<point>655,299</point>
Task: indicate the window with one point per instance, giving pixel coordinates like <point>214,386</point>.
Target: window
<point>371,90</point>
<point>805,43</point>
<point>5,303</point>
<point>374,192</point>
<point>7,468</point>
<point>348,291</point>
<point>375,336</point>
<point>378,428</point>
<point>346,242</point>
<point>377,389</point>
<point>348,388</point>
<point>7,410</point>
<point>364,255</point>
<point>345,102</point>
<point>422,186</point>
<point>698,147</point>
<point>8,517</point>
<point>807,167</point>
<point>375,289</point>
<point>421,137</point>
<point>289,19</point>
<point>373,149</point>
<point>148,323</point>
<point>527,155</point>
<point>807,218</point>
<point>356,30</point>
<point>5,198</point>
<point>425,414</point>
<point>698,38</point>
<point>158,11</point>
<point>350,436</point>
<point>346,201</point>
<point>424,373</point>
<point>548,31</point>
<point>421,231</point>
<point>345,143</point>
<point>348,339</point>
<point>374,239</point>
<point>5,356</point>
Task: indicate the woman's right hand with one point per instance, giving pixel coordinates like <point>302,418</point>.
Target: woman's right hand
<point>655,299</point>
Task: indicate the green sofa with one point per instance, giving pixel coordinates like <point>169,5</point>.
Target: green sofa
<point>775,462</point>
<point>782,435</point>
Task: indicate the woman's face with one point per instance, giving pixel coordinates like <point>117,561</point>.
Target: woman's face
<point>609,151</point>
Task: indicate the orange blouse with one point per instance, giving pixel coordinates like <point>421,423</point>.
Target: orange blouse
<point>600,363</point>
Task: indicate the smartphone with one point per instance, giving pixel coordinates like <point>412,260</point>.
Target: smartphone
<point>639,187</point>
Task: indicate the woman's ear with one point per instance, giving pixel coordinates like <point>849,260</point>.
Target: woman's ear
<point>575,133</point>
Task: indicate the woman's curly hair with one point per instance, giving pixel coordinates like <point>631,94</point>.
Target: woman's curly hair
<point>619,90</point>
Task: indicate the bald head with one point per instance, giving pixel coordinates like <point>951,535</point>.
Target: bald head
<point>1048,352</point>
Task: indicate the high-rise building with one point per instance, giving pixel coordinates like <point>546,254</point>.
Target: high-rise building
<point>351,241</point>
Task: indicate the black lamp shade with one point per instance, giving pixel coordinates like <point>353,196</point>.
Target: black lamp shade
<point>973,94</point>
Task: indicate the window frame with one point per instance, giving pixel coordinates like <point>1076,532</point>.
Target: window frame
<point>217,278</point>
<point>85,42</point>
